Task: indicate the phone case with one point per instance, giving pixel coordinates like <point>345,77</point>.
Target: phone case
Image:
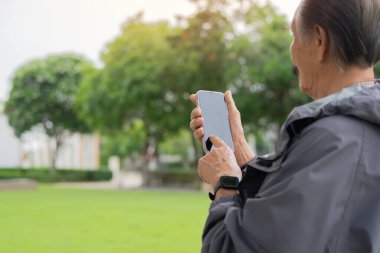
<point>224,132</point>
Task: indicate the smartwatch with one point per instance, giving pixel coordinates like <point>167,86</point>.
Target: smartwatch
<point>225,182</point>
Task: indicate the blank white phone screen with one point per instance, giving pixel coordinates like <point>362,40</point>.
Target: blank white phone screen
<point>215,118</point>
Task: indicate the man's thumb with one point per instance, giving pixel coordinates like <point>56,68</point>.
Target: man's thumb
<point>216,141</point>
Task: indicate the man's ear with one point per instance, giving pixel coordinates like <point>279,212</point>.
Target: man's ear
<point>322,43</point>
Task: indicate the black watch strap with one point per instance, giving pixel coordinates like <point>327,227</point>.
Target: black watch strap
<point>225,182</point>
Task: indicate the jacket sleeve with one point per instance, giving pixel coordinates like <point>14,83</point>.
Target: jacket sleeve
<point>301,206</point>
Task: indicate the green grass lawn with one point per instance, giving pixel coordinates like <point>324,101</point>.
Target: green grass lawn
<point>66,220</point>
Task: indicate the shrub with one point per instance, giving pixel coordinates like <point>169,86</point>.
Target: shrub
<point>61,175</point>
<point>174,178</point>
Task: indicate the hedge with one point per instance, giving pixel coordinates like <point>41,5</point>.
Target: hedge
<point>174,178</point>
<point>61,175</point>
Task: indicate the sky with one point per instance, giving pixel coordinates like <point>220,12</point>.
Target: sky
<point>31,29</point>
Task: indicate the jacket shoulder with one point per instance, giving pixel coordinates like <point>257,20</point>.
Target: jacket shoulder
<point>327,134</point>
<point>336,125</point>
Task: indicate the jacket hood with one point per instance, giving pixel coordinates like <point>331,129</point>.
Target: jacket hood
<point>360,100</point>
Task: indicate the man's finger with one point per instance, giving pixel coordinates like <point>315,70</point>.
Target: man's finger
<point>230,101</point>
<point>196,123</point>
<point>199,133</point>
<point>216,141</point>
<point>196,113</point>
<point>199,171</point>
<point>193,98</point>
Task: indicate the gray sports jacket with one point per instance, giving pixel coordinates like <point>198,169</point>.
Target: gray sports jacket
<point>321,188</point>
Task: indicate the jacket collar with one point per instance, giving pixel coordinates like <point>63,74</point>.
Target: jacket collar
<point>359,100</point>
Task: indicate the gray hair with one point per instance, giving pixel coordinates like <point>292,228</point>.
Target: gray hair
<point>353,27</point>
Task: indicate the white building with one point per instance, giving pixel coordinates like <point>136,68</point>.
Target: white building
<point>78,151</point>
<point>10,146</point>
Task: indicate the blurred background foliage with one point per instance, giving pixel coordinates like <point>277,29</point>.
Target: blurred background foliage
<point>138,100</point>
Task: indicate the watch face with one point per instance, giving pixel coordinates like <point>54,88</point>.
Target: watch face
<point>229,181</point>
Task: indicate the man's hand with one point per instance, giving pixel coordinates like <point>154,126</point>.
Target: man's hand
<point>220,161</point>
<point>242,151</point>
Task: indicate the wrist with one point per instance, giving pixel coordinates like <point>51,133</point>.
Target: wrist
<point>225,192</point>
<point>227,185</point>
<point>243,153</point>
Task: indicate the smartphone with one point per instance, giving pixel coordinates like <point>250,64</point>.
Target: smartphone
<point>215,118</point>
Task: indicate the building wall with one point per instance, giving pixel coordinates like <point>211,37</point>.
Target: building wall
<point>34,149</point>
<point>78,151</point>
<point>10,146</point>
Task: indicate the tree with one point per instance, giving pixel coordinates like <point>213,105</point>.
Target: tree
<point>124,143</point>
<point>265,86</point>
<point>178,145</point>
<point>244,46</point>
<point>201,57</point>
<point>150,70</point>
<point>133,85</point>
<point>377,70</point>
<point>43,96</point>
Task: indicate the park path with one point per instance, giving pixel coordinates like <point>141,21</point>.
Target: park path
<point>127,180</point>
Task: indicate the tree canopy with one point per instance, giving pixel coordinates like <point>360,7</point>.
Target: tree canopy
<point>150,69</point>
<point>43,94</point>
<point>133,83</point>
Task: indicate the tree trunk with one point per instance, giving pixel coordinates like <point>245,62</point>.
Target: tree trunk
<point>197,153</point>
<point>147,158</point>
<point>156,153</point>
<point>58,143</point>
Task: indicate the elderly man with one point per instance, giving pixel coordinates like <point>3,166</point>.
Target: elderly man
<point>320,190</point>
